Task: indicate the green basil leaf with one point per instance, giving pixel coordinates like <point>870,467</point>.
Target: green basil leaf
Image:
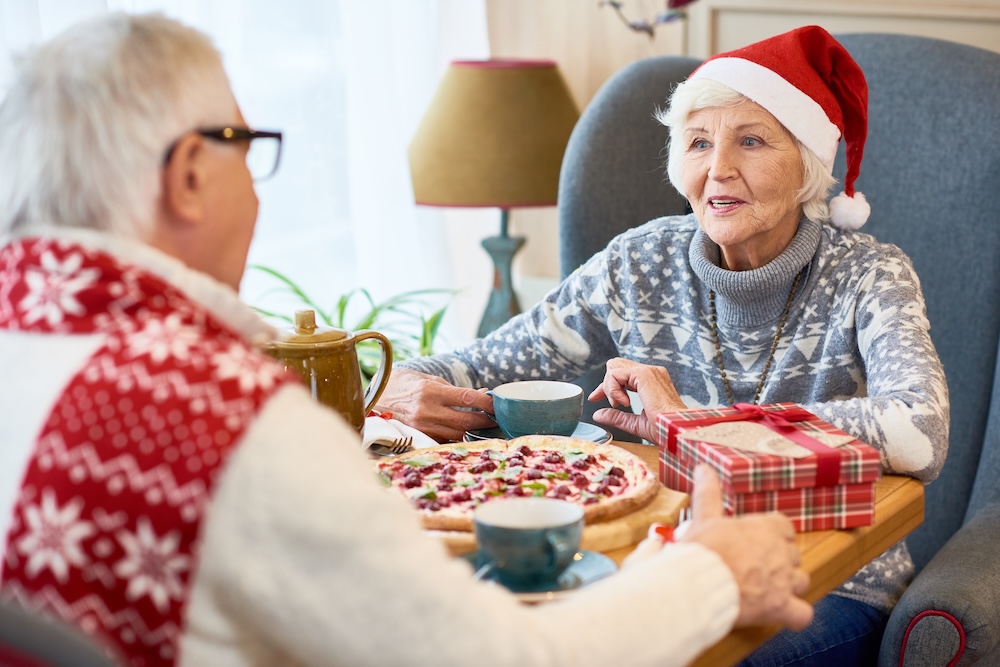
<point>422,492</point>
<point>418,461</point>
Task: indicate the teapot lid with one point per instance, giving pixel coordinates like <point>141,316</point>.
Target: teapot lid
<point>307,332</point>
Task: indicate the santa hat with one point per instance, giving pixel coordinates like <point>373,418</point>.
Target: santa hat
<point>809,82</point>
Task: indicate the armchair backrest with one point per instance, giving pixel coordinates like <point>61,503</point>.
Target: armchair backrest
<point>933,152</point>
<point>931,169</point>
<point>614,173</point>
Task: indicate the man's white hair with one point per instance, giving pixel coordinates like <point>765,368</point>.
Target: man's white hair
<point>691,96</point>
<point>87,122</point>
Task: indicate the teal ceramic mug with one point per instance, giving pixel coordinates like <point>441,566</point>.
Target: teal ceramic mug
<point>537,407</point>
<point>528,541</point>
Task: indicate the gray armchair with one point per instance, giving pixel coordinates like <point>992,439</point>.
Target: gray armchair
<point>931,170</point>
<point>28,639</point>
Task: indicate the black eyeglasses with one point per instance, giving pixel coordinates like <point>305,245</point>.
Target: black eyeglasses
<point>262,156</point>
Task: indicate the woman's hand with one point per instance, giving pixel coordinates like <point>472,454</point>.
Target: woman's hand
<point>656,393</point>
<point>428,403</point>
<point>760,550</point>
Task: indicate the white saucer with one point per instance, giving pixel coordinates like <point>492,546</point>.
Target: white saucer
<point>586,568</point>
<point>584,431</point>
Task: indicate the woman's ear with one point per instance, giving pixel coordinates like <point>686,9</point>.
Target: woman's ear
<point>185,180</point>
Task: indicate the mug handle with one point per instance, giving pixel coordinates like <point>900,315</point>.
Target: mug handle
<point>377,385</point>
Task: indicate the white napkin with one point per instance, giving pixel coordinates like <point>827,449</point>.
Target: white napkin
<point>379,431</point>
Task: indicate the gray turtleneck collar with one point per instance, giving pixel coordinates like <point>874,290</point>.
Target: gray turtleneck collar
<point>757,296</point>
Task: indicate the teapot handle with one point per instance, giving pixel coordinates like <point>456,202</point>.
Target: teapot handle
<point>377,385</point>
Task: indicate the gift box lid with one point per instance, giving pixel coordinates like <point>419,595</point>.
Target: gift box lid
<point>768,447</point>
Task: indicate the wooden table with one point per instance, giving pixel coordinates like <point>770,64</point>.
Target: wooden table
<point>830,557</point>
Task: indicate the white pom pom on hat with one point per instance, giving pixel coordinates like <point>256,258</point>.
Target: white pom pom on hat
<point>806,79</point>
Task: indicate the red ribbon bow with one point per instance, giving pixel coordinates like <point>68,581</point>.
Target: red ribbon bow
<point>782,423</point>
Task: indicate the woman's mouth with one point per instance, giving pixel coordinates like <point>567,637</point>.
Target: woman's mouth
<point>722,204</point>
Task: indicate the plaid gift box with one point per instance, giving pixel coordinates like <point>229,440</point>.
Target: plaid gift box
<point>809,508</point>
<point>817,485</point>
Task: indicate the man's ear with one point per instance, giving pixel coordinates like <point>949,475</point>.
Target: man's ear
<point>185,180</point>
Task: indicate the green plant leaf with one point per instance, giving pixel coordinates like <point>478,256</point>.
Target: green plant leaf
<point>399,318</point>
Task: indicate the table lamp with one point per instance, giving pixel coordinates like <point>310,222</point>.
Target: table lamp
<point>494,136</point>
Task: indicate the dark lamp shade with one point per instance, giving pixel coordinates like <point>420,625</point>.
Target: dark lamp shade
<point>494,135</point>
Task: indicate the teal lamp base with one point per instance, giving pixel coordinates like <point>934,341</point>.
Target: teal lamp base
<point>502,304</point>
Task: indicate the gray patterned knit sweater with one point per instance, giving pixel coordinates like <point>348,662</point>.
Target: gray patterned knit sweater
<point>855,349</point>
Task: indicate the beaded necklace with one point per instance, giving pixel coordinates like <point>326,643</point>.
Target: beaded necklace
<point>770,355</point>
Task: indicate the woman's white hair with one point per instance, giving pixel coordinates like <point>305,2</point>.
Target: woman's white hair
<point>87,122</point>
<point>691,96</point>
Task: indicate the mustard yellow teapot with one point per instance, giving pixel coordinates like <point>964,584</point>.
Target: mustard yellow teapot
<point>326,359</point>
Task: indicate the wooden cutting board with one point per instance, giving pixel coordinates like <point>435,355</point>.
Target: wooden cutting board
<point>622,532</point>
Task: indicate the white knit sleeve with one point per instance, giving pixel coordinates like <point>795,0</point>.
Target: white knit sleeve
<point>306,559</point>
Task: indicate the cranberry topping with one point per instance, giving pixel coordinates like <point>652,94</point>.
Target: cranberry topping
<point>461,496</point>
<point>524,450</point>
<point>428,504</point>
<point>515,461</point>
<point>553,457</point>
<point>485,466</point>
<point>533,473</point>
<point>616,471</point>
<point>580,480</point>
<point>580,464</point>
<point>614,481</point>
<point>562,490</point>
<point>412,480</point>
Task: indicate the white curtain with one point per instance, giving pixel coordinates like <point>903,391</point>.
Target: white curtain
<point>346,81</point>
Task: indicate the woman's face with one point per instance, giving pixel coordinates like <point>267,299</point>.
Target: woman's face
<point>742,172</point>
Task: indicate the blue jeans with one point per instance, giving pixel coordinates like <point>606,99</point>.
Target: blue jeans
<point>843,632</point>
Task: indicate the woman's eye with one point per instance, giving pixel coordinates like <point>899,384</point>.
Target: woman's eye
<point>699,144</point>
<point>751,141</point>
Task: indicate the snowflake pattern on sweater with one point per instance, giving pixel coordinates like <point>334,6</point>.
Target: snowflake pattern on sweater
<point>855,350</point>
<point>105,529</point>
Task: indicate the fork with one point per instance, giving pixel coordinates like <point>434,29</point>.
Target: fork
<point>394,448</point>
<point>401,445</point>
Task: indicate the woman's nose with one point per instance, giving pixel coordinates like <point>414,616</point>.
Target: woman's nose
<point>723,164</point>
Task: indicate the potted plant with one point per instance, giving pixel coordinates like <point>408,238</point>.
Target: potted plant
<point>401,318</point>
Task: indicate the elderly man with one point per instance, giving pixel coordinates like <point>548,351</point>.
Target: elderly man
<point>165,487</point>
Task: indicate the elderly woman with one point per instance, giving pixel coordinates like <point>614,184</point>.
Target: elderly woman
<point>763,294</point>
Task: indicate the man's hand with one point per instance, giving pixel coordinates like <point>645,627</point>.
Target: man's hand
<point>428,403</point>
<point>656,393</point>
<point>761,552</point>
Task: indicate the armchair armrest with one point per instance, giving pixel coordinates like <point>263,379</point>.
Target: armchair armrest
<point>950,610</point>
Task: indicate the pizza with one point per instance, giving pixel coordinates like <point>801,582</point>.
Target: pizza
<point>446,483</point>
